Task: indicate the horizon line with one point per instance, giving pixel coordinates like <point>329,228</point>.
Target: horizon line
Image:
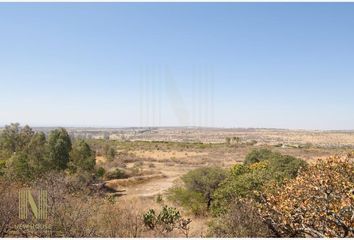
<point>173,126</point>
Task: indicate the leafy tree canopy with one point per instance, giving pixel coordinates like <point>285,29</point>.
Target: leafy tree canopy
<point>59,147</point>
<point>82,157</point>
<point>204,180</point>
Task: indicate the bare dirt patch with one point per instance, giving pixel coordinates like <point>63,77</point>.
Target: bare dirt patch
<point>100,159</point>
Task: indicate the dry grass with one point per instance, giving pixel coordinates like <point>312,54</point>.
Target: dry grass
<point>171,160</point>
<point>100,160</point>
<point>165,155</point>
<point>218,135</point>
<point>117,183</point>
<point>154,167</point>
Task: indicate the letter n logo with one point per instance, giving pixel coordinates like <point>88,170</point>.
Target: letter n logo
<point>39,209</point>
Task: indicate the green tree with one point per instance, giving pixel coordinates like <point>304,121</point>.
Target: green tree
<point>14,139</point>
<point>59,147</point>
<point>9,139</point>
<point>2,167</point>
<point>36,150</point>
<point>18,151</point>
<point>82,157</point>
<point>262,170</point>
<point>18,167</point>
<point>25,135</point>
<point>204,180</point>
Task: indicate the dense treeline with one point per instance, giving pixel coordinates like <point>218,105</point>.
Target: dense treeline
<point>59,164</point>
<point>26,154</point>
<point>79,205</point>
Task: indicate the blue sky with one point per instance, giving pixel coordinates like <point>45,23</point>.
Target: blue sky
<point>277,65</point>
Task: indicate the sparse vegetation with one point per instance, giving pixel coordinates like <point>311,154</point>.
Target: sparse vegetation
<point>116,174</point>
<point>239,189</point>
<point>167,220</point>
<point>110,152</point>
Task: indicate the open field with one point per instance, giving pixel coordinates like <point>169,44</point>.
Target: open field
<point>156,160</point>
<point>218,135</point>
<point>163,155</point>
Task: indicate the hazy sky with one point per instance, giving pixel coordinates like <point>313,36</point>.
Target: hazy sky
<point>224,65</point>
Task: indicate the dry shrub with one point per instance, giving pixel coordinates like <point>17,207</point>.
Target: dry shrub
<point>75,218</point>
<point>86,214</point>
<point>318,203</point>
<point>166,222</point>
<point>72,207</point>
<point>74,210</point>
<point>70,214</point>
<point>8,207</point>
<point>242,220</point>
<point>121,219</point>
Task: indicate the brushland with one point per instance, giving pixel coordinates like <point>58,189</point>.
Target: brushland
<point>177,182</point>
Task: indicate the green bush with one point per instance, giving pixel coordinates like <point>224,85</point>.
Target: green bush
<point>285,167</point>
<point>190,200</point>
<point>100,172</point>
<point>258,155</point>
<point>116,174</point>
<point>243,181</point>
<point>2,167</point>
<point>159,198</point>
<point>263,169</point>
<point>196,194</point>
<point>59,147</point>
<point>280,166</point>
<point>18,167</point>
<point>82,157</point>
<point>205,181</point>
<point>110,152</point>
<point>166,221</point>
